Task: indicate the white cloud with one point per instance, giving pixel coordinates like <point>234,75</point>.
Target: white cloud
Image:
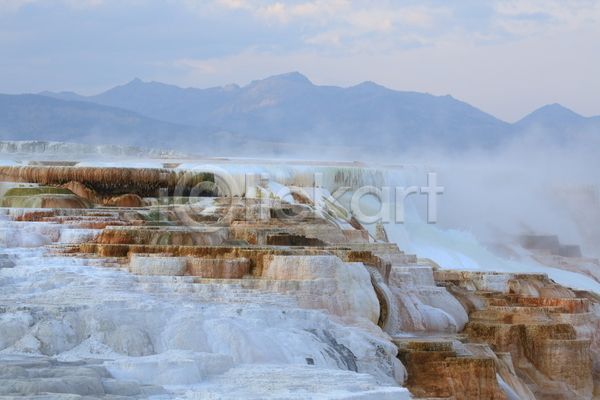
<point>526,18</point>
<point>13,5</point>
<point>341,22</point>
<point>319,11</point>
<point>233,4</point>
<point>330,38</point>
<point>199,66</point>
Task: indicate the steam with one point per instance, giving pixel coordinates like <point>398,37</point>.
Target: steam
<point>531,185</point>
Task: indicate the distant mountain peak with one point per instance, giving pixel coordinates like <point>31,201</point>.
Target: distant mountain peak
<point>62,95</point>
<point>556,108</point>
<point>134,82</point>
<point>137,84</point>
<point>550,113</point>
<point>370,86</point>
<point>232,87</point>
<point>295,77</point>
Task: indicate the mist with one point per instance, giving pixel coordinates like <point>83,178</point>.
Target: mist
<point>530,185</point>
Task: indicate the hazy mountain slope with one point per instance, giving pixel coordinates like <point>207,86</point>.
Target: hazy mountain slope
<point>34,117</point>
<point>64,96</point>
<point>287,114</point>
<point>560,125</point>
<point>40,118</point>
<point>166,102</point>
<point>288,108</point>
<point>364,114</point>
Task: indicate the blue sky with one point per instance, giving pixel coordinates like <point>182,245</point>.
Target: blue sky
<point>505,57</point>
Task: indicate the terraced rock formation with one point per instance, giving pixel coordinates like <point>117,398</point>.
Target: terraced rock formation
<point>197,294</point>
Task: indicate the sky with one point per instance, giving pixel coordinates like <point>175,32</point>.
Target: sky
<point>507,58</point>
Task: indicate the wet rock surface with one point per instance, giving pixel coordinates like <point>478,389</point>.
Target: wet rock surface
<point>198,296</point>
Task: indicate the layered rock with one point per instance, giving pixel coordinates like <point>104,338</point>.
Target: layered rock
<point>444,368</point>
<point>43,197</point>
<point>526,316</point>
<point>200,285</point>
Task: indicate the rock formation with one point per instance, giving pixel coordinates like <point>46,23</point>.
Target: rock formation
<point>131,285</point>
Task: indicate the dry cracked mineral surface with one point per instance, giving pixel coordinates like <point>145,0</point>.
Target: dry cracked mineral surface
<point>166,278</point>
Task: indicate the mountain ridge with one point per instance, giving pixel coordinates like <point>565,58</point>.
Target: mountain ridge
<point>36,117</point>
<point>289,109</point>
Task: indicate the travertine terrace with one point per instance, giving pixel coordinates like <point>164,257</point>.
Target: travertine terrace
<point>152,281</point>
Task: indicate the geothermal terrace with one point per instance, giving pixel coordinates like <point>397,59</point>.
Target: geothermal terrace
<point>171,280</point>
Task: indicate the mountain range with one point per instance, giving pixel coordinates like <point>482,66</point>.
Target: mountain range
<point>280,115</point>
